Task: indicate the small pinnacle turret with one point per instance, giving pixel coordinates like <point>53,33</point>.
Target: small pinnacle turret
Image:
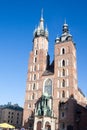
<point>66,36</point>
<point>40,31</point>
<point>57,39</point>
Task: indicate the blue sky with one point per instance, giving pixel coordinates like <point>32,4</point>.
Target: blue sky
<point>18,19</point>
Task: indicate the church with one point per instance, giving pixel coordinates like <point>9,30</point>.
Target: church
<point>53,100</point>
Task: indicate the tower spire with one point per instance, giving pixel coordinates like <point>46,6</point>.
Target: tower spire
<point>42,21</point>
<point>65,21</point>
<point>42,13</point>
<point>40,30</point>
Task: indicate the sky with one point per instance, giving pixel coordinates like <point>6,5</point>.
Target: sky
<point>18,19</point>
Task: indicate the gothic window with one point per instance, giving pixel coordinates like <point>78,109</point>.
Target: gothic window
<point>62,114</point>
<point>34,86</point>
<point>63,63</point>
<point>34,76</point>
<point>33,96</point>
<point>63,94</point>
<point>63,72</point>
<point>39,125</point>
<point>63,51</point>
<point>35,59</point>
<point>48,87</point>
<point>35,68</point>
<point>63,83</point>
<point>35,52</point>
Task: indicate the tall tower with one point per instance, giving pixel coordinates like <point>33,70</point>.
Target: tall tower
<point>37,65</point>
<point>48,85</point>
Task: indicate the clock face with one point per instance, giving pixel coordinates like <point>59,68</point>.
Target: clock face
<point>48,87</point>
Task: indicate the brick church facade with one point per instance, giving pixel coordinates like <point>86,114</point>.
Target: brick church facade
<point>53,100</point>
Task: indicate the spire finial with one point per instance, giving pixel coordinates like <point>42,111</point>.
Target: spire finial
<point>65,21</point>
<point>42,13</point>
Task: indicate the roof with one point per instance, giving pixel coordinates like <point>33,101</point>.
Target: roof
<point>13,107</point>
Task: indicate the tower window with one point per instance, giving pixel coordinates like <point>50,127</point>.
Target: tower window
<point>35,59</point>
<point>35,68</point>
<point>63,63</point>
<point>34,76</point>
<point>34,86</point>
<point>63,51</point>
<point>33,96</point>
<point>63,72</point>
<point>63,83</point>
<point>63,94</point>
<point>62,114</point>
<point>36,52</point>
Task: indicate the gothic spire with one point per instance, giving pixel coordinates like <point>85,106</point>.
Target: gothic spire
<point>42,21</point>
<point>40,31</point>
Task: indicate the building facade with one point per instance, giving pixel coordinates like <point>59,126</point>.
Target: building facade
<point>12,114</point>
<point>48,85</point>
<point>72,116</point>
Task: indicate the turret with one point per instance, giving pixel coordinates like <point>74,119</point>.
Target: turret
<point>66,36</point>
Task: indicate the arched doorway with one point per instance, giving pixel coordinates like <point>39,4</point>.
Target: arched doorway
<point>39,125</point>
<point>47,126</point>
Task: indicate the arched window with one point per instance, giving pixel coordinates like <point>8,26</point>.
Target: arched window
<point>34,76</point>
<point>48,87</point>
<point>35,68</point>
<point>33,95</point>
<point>63,63</point>
<point>62,114</point>
<point>36,52</point>
<point>35,59</point>
<point>63,83</point>
<point>34,86</point>
<point>63,51</point>
<point>63,94</point>
<point>63,72</point>
<point>39,125</point>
